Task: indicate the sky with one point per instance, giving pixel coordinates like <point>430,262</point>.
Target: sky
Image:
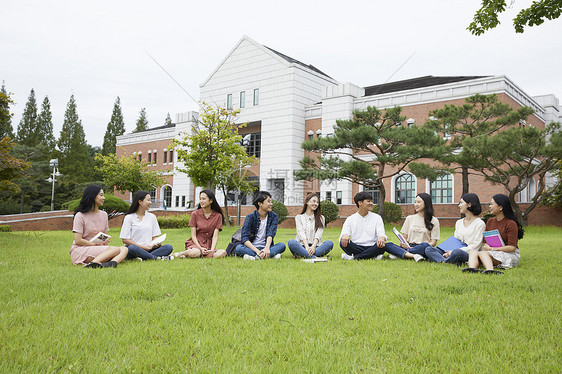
<point>98,50</point>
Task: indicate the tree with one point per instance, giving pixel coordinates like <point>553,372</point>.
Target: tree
<point>168,120</point>
<point>555,197</point>
<point>10,167</point>
<point>5,115</point>
<point>115,127</point>
<point>32,182</point>
<point>75,162</point>
<point>486,17</point>
<point>28,126</point>
<point>479,116</point>
<point>363,149</point>
<point>128,173</point>
<point>142,122</point>
<point>516,155</point>
<point>45,126</point>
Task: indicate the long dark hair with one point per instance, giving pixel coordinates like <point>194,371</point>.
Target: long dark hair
<point>88,199</point>
<point>139,195</point>
<point>317,213</point>
<point>427,210</point>
<point>503,201</point>
<point>474,201</point>
<point>214,205</point>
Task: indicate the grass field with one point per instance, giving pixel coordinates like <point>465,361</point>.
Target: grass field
<point>230,315</point>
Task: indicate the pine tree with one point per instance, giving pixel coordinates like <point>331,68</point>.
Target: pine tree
<point>75,162</point>
<point>45,126</point>
<point>115,127</point>
<point>27,129</point>
<point>168,120</point>
<point>142,122</point>
<point>5,115</point>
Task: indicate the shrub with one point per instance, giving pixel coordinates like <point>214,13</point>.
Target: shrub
<point>5,228</point>
<point>113,205</point>
<point>392,212</point>
<point>174,222</point>
<point>36,205</point>
<point>330,211</point>
<point>281,210</point>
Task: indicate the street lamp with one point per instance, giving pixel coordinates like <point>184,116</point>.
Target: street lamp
<point>245,142</point>
<point>54,163</point>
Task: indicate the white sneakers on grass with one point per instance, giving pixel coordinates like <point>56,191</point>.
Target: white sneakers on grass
<point>277,256</point>
<point>379,257</point>
<point>253,258</point>
<point>392,257</point>
<point>345,256</point>
<point>418,258</point>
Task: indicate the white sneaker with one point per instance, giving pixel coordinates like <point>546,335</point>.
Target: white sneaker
<point>345,256</point>
<point>379,257</point>
<point>419,258</point>
<point>277,256</point>
<point>137,259</point>
<point>392,257</point>
<point>167,258</point>
<point>248,257</point>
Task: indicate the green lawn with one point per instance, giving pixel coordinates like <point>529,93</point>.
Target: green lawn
<point>230,315</point>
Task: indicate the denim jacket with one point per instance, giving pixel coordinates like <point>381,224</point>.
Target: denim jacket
<point>252,224</point>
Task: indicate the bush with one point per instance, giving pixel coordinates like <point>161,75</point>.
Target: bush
<point>36,205</point>
<point>330,211</point>
<point>5,228</point>
<point>114,206</point>
<point>174,222</point>
<point>281,210</point>
<point>392,212</point>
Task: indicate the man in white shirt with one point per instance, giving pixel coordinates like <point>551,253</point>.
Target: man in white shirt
<point>362,235</point>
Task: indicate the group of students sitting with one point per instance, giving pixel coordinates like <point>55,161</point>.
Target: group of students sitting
<point>362,236</point>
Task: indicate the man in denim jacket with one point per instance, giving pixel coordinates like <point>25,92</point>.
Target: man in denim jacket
<point>259,230</point>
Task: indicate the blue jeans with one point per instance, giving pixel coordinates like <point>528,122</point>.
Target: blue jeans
<point>274,250</point>
<point>361,252</point>
<point>457,256</point>
<point>135,251</point>
<point>320,251</point>
<point>416,249</point>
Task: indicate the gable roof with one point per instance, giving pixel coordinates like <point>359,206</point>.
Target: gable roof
<point>294,61</point>
<point>419,82</point>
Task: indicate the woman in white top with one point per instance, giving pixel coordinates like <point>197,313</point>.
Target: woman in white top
<point>420,230</point>
<point>468,230</point>
<point>141,227</point>
<point>310,225</point>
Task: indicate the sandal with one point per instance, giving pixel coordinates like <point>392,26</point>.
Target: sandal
<point>93,265</point>
<point>471,270</point>
<point>492,272</point>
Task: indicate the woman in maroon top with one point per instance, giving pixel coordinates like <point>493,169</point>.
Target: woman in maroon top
<point>205,222</point>
<point>510,230</point>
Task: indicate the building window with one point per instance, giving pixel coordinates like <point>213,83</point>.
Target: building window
<point>242,99</point>
<point>338,197</point>
<point>183,201</point>
<point>405,189</point>
<point>446,134</point>
<point>177,201</point>
<point>168,196</point>
<point>441,190</point>
<point>165,156</point>
<point>374,191</point>
<point>171,156</point>
<point>154,158</point>
<point>254,148</point>
<point>329,195</point>
<point>149,158</point>
<point>229,101</point>
<point>140,157</point>
<point>153,194</point>
<point>528,193</point>
<point>256,96</point>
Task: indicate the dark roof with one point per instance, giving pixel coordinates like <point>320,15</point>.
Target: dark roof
<point>409,84</point>
<point>292,60</point>
<point>157,128</point>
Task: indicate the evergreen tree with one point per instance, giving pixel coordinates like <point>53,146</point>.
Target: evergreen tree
<point>75,162</point>
<point>142,122</point>
<point>45,126</point>
<point>5,115</point>
<point>168,120</point>
<point>27,129</point>
<point>115,127</point>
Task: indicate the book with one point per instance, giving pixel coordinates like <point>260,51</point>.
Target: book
<point>493,238</point>
<point>450,244</point>
<point>158,240</point>
<point>100,238</point>
<point>317,259</point>
<point>399,236</point>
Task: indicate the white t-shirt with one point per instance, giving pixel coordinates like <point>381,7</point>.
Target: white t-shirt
<point>414,228</point>
<point>363,231</point>
<point>472,235</point>
<point>259,239</point>
<point>141,232</point>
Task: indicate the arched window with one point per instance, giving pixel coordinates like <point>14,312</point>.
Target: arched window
<point>441,190</point>
<point>168,196</point>
<point>404,189</point>
<point>527,194</point>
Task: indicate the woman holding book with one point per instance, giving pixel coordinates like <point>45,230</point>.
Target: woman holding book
<point>310,226</point>
<point>89,221</point>
<point>140,228</point>
<point>468,231</point>
<point>510,230</point>
<point>205,222</point>
<point>420,230</point>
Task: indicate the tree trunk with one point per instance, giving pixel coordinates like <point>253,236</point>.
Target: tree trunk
<point>465,185</point>
<point>22,201</point>
<point>226,216</point>
<point>517,210</point>
<point>382,196</point>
